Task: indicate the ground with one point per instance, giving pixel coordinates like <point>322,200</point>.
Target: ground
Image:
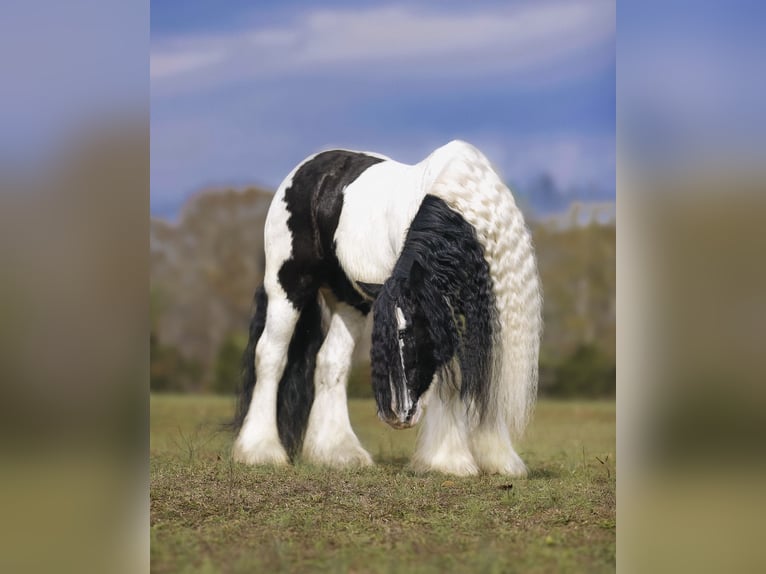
<point>209,514</point>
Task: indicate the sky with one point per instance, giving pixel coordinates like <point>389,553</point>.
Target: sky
<point>241,91</point>
<point>691,82</point>
<point>65,66</point>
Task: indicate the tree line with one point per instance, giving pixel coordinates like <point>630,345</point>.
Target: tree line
<point>206,267</point>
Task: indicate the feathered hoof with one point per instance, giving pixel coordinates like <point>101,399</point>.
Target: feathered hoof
<point>459,466</point>
<point>263,452</point>
<point>341,456</point>
<point>511,466</point>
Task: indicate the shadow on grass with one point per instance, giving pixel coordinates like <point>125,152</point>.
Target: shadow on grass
<point>543,473</point>
<point>394,462</point>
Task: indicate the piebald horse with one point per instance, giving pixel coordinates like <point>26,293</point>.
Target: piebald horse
<point>440,253</point>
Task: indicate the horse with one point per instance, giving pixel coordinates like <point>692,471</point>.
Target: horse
<point>441,255</point>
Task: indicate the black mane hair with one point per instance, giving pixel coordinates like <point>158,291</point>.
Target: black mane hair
<point>443,275</point>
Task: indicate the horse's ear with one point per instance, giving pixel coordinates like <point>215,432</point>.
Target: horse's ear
<point>370,289</point>
<point>417,275</point>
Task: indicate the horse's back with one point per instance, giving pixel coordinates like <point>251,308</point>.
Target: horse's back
<point>381,203</point>
<point>300,231</point>
<point>377,211</point>
<point>353,209</point>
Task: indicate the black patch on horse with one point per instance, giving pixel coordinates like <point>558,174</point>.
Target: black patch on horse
<point>315,201</point>
<point>296,389</point>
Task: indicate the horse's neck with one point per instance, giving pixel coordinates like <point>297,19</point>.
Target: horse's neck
<point>381,204</point>
<point>378,209</point>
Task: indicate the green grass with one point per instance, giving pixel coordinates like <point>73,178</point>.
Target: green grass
<point>209,514</point>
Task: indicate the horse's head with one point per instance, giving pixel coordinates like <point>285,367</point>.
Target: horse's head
<point>403,357</point>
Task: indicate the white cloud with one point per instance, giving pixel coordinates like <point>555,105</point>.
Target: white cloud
<point>172,63</point>
<point>521,42</point>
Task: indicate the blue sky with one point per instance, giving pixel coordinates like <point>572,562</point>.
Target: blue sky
<point>243,91</point>
<point>691,82</point>
<point>64,66</point>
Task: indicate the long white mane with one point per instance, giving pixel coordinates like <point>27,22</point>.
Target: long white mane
<point>463,177</point>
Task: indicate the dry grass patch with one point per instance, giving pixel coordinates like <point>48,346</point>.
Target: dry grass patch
<point>210,514</point>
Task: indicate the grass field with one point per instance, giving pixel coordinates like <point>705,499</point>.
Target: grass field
<point>209,514</point>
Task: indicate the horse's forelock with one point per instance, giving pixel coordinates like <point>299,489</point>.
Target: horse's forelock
<point>384,352</point>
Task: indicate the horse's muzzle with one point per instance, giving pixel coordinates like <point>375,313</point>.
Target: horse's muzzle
<point>403,420</point>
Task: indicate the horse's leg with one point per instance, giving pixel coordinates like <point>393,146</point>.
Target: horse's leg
<point>492,449</point>
<point>330,440</point>
<point>258,441</point>
<point>443,443</point>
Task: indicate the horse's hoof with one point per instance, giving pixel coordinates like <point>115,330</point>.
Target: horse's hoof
<point>261,453</point>
<point>346,457</point>
<point>512,470</point>
<point>509,465</point>
<point>455,467</point>
<point>351,461</point>
<point>515,469</point>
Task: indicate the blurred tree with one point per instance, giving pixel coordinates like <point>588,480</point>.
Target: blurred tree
<point>587,372</point>
<point>208,266</point>
<point>577,271</point>
<point>169,371</point>
<point>228,364</point>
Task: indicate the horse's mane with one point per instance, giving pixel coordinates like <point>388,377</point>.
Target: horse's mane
<point>442,269</point>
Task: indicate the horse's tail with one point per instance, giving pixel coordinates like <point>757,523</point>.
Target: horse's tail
<point>296,388</point>
<point>257,324</point>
